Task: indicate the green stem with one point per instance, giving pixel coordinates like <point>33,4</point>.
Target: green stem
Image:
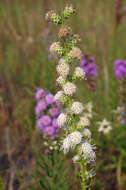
<point>82,174</point>
<point>118,172</point>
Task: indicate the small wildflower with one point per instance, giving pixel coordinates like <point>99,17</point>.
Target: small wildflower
<point>49,15</point>
<point>75,138</point>
<point>54,112</point>
<point>84,121</point>
<point>41,106</point>
<point>69,88</point>
<point>53,17</point>
<point>59,95</point>
<point>65,31</point>
<point>68,11</point>
<point>56,48</point>
<point>66,145</point>
<point>88,65</point>
<point>49,99</point>
<point>75,158</point>
<point>75,53</point>
<point>62,119</point>
<point>120,69</point>
<point>87,152</point>
<point>87,133</point>
<point>39,94</point>
<point>46,120</point>
<point>104,127</point>
<point>79,73</point>
<point>61,80</point>
<point>77,108</point>
<point>63,69</point>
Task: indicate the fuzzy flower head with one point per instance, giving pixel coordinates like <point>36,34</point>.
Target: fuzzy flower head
<point>61,80</point>
<point>53,17</point>
<point>87,133</point>
<point>75,53</point>
<point>56,48</point>
<point>49,99</point>
<point>69,89</point>
<point>66,145</point>
<point>39,94</point>
<point>54,112</point>
<point>41,106</point>
<point>62,119</point>
<point>84,121</point>
<point>49,130</point>
<point>75,138</point>
<point>77,108</point>
<point>104,127</point>
<point>63,69</point>
<point>120,69</point>
<point>79,73</point>
<point>64,32</point>
<point>68,11</point>
<point>59,95</point>
<point>87,152</point>
<point>46,120</point>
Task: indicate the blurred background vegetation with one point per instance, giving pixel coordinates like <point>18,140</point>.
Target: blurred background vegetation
<point>25,64</point>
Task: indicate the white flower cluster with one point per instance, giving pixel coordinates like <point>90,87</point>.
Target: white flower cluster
<point>76,116</point>
<point>77,108</point>
<point>63,69</point>
<point>86,149</point>
<point>79,73</point>
<point>71,141</point>
<point>69,89</point>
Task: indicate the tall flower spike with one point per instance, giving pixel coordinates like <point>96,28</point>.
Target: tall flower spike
<point>74,119</point>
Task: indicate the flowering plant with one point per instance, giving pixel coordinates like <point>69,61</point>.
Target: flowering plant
<point>46,112</point>
<point>89,67</point>
<point>75,118</point>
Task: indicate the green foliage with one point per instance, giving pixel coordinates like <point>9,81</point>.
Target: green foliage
<point>1,185</point>
<point>51,172</point>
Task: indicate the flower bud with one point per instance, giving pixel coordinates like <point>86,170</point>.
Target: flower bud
<point>68,11</point>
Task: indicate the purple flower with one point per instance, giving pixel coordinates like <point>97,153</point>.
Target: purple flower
<point>58,104</point>
<point>54,123</point>
<point>54,112</point>
<point>49,99</point>
<point>120,69</point>
<point>39,124</point>
<point>41,106</point>
<point>49,131</point>
<point>46,104</point>
<point>123,122</point>
<point>88,65</point>
<point>39,94</point>
<point>57,130</point>
<point>46,120</point>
